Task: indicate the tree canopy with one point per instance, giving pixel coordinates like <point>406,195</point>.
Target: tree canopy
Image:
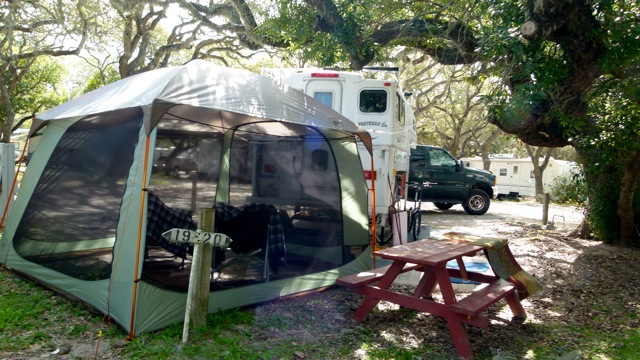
<point>554,57</point>
<point>28,31</point>
<point>567,70</point>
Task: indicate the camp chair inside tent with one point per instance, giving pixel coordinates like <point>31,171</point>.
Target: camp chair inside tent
<point>253,229</point>
<point>161,218</point>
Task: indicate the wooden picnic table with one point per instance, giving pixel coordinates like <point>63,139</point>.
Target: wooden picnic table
<point>431,257</point>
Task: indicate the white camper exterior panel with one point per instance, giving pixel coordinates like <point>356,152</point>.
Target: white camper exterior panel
<point>516,177</point>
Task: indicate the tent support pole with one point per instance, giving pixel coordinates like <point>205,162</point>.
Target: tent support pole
<point>132,333</point>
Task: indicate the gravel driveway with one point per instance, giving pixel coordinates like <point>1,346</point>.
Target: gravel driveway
<point>501,215</point>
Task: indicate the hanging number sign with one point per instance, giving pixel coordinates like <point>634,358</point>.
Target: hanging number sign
<point>196,236</point>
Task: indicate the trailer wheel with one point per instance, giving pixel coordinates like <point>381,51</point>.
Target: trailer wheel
<point>477,203</point>
<point>443,205</point>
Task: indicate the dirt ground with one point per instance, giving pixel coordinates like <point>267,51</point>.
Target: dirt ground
<point>589,287</point>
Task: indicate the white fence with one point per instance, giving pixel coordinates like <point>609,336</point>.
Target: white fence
<point>7,173</point>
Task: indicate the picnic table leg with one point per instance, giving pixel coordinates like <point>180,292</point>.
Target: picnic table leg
<point>456,328</point>
<point>426,285</point>
<point>384,283</point>
<point>444,282</point>
<point>516,306</point>
<point>460,339</point>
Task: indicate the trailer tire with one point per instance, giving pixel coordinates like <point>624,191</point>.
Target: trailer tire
<point>477,202</point>
<point>443,205</point>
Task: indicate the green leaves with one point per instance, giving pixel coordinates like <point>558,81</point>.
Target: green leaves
<point>101,78</point>
<point>39,89</point>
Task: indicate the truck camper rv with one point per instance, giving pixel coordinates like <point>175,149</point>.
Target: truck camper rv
<point>374,100</point>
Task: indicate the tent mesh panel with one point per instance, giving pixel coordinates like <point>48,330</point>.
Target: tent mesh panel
<point>290,183</point>
<point>70,222</point>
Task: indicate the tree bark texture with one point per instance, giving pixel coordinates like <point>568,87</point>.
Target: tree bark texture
<point>583,231</point>
<point>538,168</point>
<point>7,124</point>
<point>628,234</point>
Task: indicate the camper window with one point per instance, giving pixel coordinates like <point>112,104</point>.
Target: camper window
<point>400,102</point>
<point>373,101</point>
<point>503,171</point>
<point>324,97</point>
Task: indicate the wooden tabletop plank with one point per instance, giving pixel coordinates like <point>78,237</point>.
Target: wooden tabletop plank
<point>429,252</point>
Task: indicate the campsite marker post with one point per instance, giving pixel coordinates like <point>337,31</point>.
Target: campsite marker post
<point>198,293</point>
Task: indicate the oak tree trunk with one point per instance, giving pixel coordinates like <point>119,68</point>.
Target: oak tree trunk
<point>625,201</point>
<point>583,230</point>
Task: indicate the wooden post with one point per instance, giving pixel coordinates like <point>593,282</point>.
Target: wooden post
<point>198,293</point>
<point>203,242</point>
<point>194,279</point>
<point>201,308</point>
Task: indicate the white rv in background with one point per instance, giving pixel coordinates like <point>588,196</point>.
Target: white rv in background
<point>378,105</point>
<point>515,177</point>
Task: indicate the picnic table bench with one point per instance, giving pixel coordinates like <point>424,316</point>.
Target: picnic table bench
<point>430,257</point>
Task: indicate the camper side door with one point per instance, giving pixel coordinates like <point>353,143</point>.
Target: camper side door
<point>328,92</point>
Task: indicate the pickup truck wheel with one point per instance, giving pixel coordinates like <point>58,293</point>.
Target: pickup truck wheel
<point>443,205</point>
<point>477,203</point>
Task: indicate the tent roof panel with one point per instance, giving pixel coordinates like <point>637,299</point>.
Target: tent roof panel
<point>186,91</point>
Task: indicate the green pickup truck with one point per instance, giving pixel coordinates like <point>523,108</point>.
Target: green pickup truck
<point>447,182</point>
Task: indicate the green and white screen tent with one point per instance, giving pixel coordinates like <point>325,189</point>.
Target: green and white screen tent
<point>116,167</point>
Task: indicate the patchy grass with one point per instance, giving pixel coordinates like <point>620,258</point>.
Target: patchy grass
<point>35,318</point>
